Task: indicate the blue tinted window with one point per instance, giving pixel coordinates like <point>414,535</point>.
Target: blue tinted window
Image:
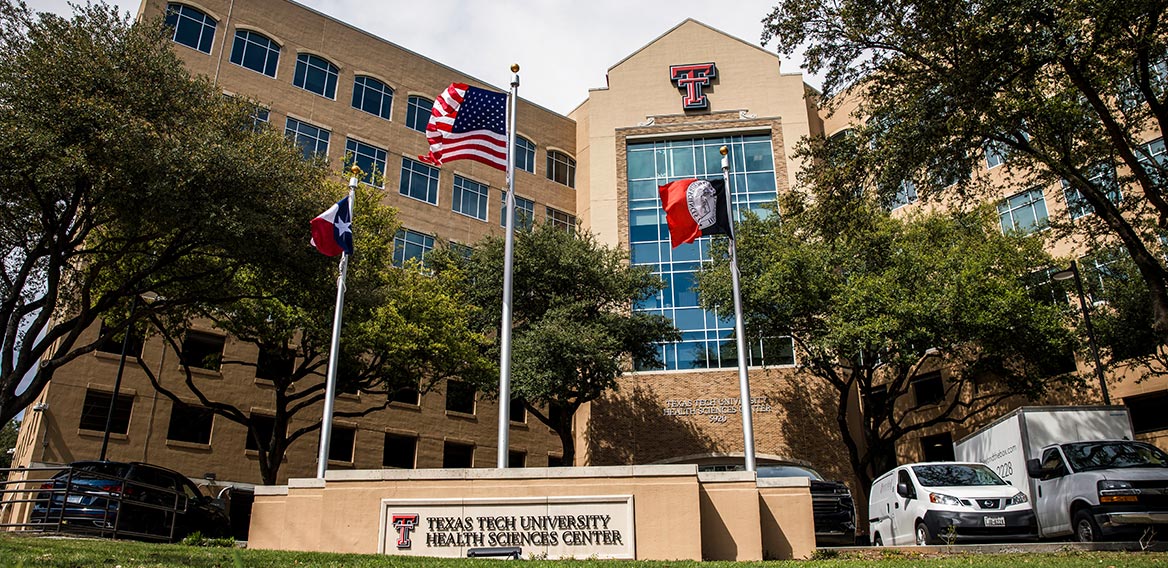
<point>470,198</point>
<point>191,27</point>
<point>706,336</point>
<point>560,219</point>
<point>369,158</point>
<point>561,168</point>
<point>372,96</point>
<point>313,140</point>
<point>524,212</point>
<point>1024,212</point>
<point>524,154</point>
<point>1102,175</point>
<point>255,52</point>
<point>316,75</point>
<point>409,245</point>
<point>419,181</point>
<point>418,113</point>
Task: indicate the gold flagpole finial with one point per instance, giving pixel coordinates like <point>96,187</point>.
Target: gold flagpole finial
<point>514,67</point>
<point>723,151</point>
<point>356,171</point>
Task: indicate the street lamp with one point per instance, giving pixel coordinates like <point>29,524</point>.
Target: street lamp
<point>1073,273</point>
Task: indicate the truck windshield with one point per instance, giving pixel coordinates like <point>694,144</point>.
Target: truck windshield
<point>1086,456</point>
<point>954,475</point>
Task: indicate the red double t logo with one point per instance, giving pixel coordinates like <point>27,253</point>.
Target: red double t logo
<point>404,524</point>
<point>692,77</point>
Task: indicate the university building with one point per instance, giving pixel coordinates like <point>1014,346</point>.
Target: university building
<point>661,114</point>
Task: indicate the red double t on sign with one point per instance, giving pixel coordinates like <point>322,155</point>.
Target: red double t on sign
<point>692,77</point>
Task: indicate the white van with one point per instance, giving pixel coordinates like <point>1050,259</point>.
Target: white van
<point>947,503</point>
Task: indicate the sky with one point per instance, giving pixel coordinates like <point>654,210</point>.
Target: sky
<point>563,47</point>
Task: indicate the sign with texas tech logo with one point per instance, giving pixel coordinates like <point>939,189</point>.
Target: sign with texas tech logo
<point>690,78</point>
<point>404,525</point>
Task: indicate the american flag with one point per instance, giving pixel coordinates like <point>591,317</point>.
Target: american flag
<point>468,123</point>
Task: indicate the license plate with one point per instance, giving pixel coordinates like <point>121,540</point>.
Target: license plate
<point>995,521</point>
<point>74,498</point>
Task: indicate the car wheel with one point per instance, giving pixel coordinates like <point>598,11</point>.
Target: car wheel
<point>1086,529</point>
<point>876,541</point>
<point>923,537</point>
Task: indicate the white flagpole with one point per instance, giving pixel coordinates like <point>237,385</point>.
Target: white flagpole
<point>739,326</point>
<point>508,253</point>
<point>326,423</point>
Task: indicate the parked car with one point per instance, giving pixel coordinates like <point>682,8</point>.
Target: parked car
<point>136,500</point>
<point>831,501</point>
<point>947,503</point>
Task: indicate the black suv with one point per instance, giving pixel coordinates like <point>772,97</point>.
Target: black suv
<point>831,501</point>
<point>135,500</point>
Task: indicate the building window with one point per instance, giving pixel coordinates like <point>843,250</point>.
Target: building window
<point>524,212</point>
<point>928,389</point>
<point>316,75</point>
<point>96,408</point>
<point>460,397</point>
<point>313,140</point>
<point>262,427</point>
<point>456,455</point>
<point>259,117</point>
<point>418,112</point>
<point>255,52</point>
<point>406,395</point>
<point>372,96</point>
<point>113,342</point>
<point>202,350</point>
<point>470,198</point>
<point>524,154</point>
<point>192,28</point>
<point>706,335</point>
<point>995,154</point>
<point>516,458</point>
<point>1102,175</point>
<point>1023,212</point>
<point>518,411</point>
<point>189,423</point>
<point>419,181</point>
<point>275,364</point>
<point>768,352</point>
<point>561,168</point>
<point>370,159</point>
<point>906,194</point>
<point>341,442</point>
<point>938,447</point>
<point>1147,412</point>
<point>561,220</point>
<point>409,245</point>
<point>464,251</point>
<point>400,451</point>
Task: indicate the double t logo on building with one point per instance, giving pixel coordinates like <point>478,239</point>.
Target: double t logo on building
<point>404,524</point>
<point>692,77</point>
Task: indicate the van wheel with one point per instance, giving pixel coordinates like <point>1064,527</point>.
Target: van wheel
<point>876,541</point>
<point>1086,529</point>
<point>923,537</point>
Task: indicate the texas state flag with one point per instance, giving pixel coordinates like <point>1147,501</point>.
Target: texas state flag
<point>331,232</point>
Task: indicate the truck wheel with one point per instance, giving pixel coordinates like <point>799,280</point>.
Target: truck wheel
<point>876,541</point>
<point>1086,529</point>
<point>923,537</point>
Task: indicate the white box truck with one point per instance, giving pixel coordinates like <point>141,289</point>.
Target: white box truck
<point>1079,467</point>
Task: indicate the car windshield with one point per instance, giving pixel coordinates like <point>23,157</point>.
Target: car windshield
<point>951,475</point>
<point>103,469</point>
<point>788,471</point>
<point>1086,456</point>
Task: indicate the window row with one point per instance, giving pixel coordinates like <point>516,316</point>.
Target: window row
<point>254,51</point>
<point>193,424</point>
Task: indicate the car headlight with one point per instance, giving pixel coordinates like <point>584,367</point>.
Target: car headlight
<point>1115,491</point>
<point>943,499</point>
<point>1019,499</point>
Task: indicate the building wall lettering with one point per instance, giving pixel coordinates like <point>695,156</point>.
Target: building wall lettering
<point>716,409</point>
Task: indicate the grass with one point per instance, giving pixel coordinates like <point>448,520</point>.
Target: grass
<point>29,552</point>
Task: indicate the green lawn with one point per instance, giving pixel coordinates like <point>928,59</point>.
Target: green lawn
<point>76,553</point>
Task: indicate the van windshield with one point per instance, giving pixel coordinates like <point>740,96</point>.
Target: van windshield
<point>1086,456</point>
<point>953,475</point>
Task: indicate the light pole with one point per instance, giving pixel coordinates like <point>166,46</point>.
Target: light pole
<point>109,417</point>
<point>1073,273</point>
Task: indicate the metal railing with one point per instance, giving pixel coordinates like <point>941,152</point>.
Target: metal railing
<point>72,500</point>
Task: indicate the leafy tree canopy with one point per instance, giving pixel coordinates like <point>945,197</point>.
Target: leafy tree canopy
<point>121,174</point>
<point>573,328</point>
<point>1068,94</point>
<point>875,307</point>
<point>8,435</point>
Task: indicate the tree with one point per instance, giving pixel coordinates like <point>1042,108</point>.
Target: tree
<point>574,331</point>
<point>8,442</point>
<point>120,175</point>
<point>404,331</point>
<point>1067,92</point>
<point>886,302</point>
